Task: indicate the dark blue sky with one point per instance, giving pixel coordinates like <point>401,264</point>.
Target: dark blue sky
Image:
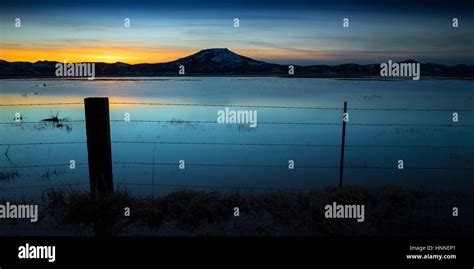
<point>289,32</point>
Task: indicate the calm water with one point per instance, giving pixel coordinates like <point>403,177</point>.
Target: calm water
<point>437,146</point>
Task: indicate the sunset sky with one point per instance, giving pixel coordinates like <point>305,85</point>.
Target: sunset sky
<point>285,32</point>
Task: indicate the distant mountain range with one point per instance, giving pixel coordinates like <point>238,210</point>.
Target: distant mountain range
<point>223,62</point>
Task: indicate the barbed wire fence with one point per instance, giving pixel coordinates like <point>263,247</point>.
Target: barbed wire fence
<point>153,164</point>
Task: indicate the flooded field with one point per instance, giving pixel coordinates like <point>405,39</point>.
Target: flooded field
<point>173,119</point>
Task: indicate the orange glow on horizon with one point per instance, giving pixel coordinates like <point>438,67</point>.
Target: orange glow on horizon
<point>136,55</point>
<point>112,54</point>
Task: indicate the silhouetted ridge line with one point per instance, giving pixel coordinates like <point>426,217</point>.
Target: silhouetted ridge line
<point>222,61</point>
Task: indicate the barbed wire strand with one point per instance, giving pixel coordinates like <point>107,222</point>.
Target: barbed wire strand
<point>297,123</point>
<point>43,104</point>
<point>43,186</point>
<point>246,105</point>
<point>245,144</point>
<point>39,165</point>
<point>299,166</point>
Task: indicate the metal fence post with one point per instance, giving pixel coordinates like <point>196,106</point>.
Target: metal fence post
<point>343,143</point>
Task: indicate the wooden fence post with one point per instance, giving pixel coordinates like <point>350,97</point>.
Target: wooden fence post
<point>99,151</point>
<point>98,145</point>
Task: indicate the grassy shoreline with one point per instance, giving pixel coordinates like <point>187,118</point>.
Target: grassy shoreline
<point>390,211</point>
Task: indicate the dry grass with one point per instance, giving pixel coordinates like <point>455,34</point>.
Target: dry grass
<point>390,211</point>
